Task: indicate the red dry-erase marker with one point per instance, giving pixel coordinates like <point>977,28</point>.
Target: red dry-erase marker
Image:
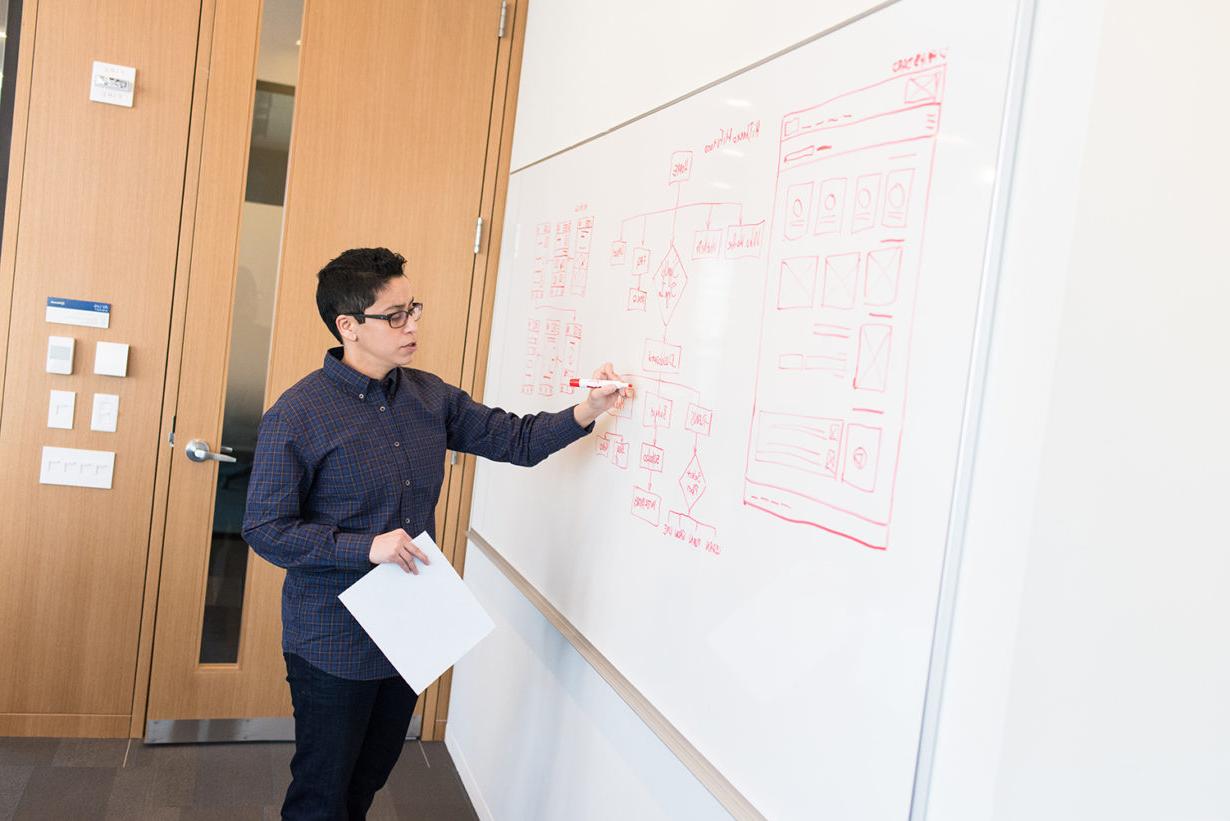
<point>590,384</point>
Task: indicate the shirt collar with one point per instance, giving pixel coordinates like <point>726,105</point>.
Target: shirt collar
<point>389,384</point>
<point>353,382</point>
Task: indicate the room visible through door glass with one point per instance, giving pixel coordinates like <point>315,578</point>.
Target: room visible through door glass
<point>252,321</point>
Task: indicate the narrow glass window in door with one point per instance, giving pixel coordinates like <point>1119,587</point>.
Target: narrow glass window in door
<point>251,322</point>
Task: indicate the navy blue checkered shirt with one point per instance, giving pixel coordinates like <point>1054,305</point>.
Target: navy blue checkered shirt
<point>340,459</point>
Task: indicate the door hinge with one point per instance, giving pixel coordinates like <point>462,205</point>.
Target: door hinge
<point>478,235</point>
<point>452,457</point>
<point>171,435</point>
<point>503,16</point>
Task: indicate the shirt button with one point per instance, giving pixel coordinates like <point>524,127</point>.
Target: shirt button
<point>382,408</point>
<point>360,396</point>
<point>407,483</point>
<point>405,521</point>
<point>397,444</point>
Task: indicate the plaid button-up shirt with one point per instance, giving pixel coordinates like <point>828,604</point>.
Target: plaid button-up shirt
<point>341,458</point>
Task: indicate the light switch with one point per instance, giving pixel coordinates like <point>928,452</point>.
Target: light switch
<point>60,409</point>
<point>76,467</point>
<point>60,354</point>
<point>106,412</point>
<point>111,359</point>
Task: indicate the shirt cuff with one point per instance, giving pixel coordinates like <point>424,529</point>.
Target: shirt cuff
<point>575,429</point>
<point>564,430</point>
<point>354,550</point>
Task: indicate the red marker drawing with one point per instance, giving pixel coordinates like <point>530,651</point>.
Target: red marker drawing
<point>590,384</point>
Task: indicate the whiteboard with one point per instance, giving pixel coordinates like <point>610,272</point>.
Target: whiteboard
<point>788,264</point>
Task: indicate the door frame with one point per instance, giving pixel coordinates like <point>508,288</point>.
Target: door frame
<point>170,397</point>
<point>460,483</point>
<point>20,46</point>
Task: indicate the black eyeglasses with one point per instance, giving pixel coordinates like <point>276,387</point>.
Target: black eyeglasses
<point>397,318</point>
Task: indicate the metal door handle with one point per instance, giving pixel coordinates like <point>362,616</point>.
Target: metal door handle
<point>198,451</point>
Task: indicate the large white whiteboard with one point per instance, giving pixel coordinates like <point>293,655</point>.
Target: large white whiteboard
<point>789,265</point>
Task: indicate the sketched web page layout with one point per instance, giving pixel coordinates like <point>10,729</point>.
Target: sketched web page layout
<point>849,214</point>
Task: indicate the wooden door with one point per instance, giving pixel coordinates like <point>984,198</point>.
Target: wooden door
<point>393,116</point>
<point>92,213</point>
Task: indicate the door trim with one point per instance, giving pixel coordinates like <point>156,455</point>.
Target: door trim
<point>170,394</point>
<point>217,730</point>
<point>459,483</point>
<point>21,44</point>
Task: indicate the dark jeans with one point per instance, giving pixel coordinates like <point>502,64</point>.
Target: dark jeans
<point>348,735</point>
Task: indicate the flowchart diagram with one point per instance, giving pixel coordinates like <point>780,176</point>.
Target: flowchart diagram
<point>835,249</point>
<point>660,437</point>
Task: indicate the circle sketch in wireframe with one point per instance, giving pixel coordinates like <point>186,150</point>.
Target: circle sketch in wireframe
<point>860,458</point>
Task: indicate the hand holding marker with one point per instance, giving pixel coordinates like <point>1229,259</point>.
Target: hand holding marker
<point>590,384</point>
<point>607,392</point>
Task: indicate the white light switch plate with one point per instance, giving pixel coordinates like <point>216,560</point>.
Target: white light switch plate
<point>106,412</point>
<point>60,354</point>
<point>60,409</point>
<point>111,359</point>
<point>76,467</point>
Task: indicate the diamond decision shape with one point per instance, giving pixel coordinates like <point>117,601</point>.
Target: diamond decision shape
<point>693,482</point>
<point>669,280</point>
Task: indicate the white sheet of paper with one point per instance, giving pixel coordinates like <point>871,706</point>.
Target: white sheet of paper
<point>424,624</point>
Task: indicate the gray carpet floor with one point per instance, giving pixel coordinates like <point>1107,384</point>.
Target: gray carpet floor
<point>81,779</point>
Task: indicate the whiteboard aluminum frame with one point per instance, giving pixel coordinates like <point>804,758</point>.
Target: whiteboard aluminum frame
<point>958,514</point>
<point>713,780</point>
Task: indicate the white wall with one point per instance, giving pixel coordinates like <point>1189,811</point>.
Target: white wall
<point>1034,275</point>
<point>1103,666</point>
<point>1089,663</point>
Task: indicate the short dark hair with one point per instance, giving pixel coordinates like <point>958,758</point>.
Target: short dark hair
<point>349,283</point>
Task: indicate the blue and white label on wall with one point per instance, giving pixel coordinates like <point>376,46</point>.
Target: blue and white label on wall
<point>78,312</point>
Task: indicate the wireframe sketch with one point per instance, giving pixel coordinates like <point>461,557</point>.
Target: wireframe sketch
<point>844,250</point>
